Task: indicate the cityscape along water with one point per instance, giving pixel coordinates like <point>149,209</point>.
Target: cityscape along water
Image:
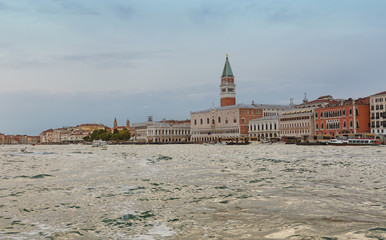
<point>262,191</point>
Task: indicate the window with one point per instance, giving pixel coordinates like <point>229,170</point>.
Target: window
<point>316,115</point>
<point>219,119</point>
<point>201,121</point>
<point>242,120</point>
<point>350,111</point>
<point>207,120</point>
<point>372,107</point>
<point>356,112</point>
<point>357,124</point>
<point>321,126</point>
<point>344,112</point>
<point>234,120</point>
<point>195,121</point>
<point>377,107</point>
<point>350,124</point>
<point>317,127</point>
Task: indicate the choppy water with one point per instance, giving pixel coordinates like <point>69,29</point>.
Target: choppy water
<point>193,192</point>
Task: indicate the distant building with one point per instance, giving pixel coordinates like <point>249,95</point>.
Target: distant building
<point>140,130</point>
<point>169,131</point>
<point>215,124</point>
<point>300,121</point>
<point>343,116</point>
<point>18,139</point>
<point>165,131</point>
<point>264,128</point>
<point>69,134</point>
<point>378,113</point>
<point>297,122</point>
<point>91,127</point>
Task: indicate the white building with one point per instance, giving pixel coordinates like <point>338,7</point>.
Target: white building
<point>264,128</point>
<point>378,113</point>
<point>166,131</point>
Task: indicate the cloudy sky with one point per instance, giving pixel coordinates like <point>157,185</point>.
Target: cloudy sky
<point>67,62</point>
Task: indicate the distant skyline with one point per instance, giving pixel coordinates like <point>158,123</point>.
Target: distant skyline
<point>68,62</point>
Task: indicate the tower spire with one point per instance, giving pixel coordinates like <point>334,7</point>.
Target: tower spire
<point>227,68</point>
<point>115,123</point>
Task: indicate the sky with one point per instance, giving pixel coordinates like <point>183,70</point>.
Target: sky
<point>68,62</point>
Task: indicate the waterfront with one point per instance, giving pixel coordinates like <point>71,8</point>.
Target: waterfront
<point>193,192</point>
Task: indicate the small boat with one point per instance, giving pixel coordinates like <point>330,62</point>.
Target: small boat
<point>99,143</point>
<point>25,150</point>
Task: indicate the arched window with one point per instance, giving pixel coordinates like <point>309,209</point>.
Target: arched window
<point>207,120</point>
<point>219,119</point>
<point>201,121</point>
<point>195,121</point>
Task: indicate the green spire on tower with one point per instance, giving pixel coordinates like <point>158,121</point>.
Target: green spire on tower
<point>227,69</point>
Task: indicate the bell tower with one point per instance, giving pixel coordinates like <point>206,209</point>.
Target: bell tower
<point>227,87</point>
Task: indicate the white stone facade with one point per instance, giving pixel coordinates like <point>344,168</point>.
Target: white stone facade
<point>160,132</point>
<point>263,129</point>
<point>378,113</point>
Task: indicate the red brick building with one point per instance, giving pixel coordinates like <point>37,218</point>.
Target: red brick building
<point>343,116</point>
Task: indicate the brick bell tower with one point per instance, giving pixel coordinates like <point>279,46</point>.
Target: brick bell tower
<point>227,87</point>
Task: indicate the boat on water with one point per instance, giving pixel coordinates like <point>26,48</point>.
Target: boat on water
<point>99,143</point>
<point>354,142</point>
<point>25,150</point>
